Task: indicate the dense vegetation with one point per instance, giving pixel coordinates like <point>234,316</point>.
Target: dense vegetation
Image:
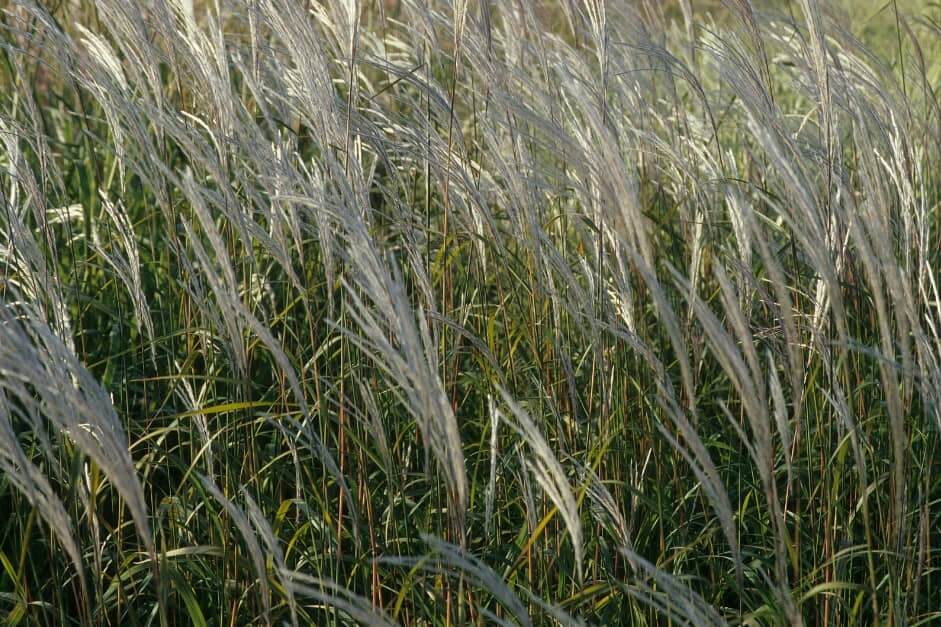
<point>469,312</point>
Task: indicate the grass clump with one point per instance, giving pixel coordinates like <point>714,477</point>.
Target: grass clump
<point>426,312</point>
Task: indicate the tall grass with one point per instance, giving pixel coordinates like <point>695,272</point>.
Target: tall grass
<point>472,312</point>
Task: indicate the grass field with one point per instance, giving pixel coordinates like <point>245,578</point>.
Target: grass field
<point>447,312</point>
